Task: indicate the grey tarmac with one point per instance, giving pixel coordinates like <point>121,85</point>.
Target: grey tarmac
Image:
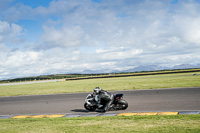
<point>172,99</point>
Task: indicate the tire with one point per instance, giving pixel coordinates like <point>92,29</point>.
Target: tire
<point>121,105</point>
<point>89,108</point>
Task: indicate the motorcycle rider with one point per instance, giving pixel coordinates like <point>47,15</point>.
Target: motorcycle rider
<point>105,99</point>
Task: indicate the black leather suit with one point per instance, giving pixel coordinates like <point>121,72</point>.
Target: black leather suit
<point>106,99</point>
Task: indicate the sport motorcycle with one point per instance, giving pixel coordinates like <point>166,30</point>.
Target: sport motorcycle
<point>91,103</point>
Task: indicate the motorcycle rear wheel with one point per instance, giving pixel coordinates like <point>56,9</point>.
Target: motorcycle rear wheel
<point>89,108</point>
<point>121,105</point>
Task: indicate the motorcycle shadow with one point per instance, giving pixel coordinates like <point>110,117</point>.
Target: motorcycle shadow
<point>86,111</point>
<point>81,110</point>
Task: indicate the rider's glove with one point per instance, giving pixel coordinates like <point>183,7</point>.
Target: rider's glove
<point>99,106</point>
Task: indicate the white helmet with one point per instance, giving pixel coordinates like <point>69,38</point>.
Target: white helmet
<point>97,90</point>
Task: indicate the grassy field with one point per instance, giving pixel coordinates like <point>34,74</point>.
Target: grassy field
<point>124,124</point>
<point>118,83</point>
<point>100,75</point>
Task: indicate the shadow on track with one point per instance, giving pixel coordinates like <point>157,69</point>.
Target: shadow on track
<point>80,110</point>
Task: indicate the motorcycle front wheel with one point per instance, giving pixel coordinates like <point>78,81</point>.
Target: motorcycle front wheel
<point>121,105</point>
<point>89,108</point>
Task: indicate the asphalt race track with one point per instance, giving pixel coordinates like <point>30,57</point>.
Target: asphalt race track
<point>178,99</point>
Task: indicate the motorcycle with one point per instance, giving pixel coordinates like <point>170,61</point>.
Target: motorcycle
<point>91,103</point>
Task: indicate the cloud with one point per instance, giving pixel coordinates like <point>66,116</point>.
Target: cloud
<point>9,33</point>
<point>65,37</point>
<point>4,4</point>
<point>191,30</point>
<point>103,35</point>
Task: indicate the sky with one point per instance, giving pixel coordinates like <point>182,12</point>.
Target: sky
<point>41,37</point>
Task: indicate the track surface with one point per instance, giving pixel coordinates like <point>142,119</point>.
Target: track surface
<point>181,99</point>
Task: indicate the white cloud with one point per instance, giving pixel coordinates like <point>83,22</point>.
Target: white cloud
<point>191,30</point>
<point>84,35</point>
<point>64,37</point>
<point>9,33</point>
<point>117,53</point>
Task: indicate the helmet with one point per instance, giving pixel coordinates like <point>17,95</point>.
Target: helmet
<point>97,90</point>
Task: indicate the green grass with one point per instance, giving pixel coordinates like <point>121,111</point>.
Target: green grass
<point>124,124</point>
<point>78,76</point>
<point>110,84</point>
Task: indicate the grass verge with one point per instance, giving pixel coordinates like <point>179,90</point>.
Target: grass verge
<point>110,84</point>
<point>125,124</point>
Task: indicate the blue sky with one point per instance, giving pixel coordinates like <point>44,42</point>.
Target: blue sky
<point>39,37</point>
<point>32,3</point>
